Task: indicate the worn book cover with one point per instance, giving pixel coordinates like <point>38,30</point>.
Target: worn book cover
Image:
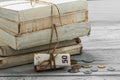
<point>5,50</point>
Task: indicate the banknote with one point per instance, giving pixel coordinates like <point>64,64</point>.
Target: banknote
<point>42,61</point>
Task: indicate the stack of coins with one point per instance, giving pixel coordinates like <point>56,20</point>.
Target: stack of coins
<point>86,66</point>
<point>94,69</point>
<point>74,69</point>
<point>87,72</point>
<point>101,66</point>
<point>111,69</point>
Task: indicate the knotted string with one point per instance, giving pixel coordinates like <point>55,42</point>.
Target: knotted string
<point>53,28</point>
<point>51,61</point>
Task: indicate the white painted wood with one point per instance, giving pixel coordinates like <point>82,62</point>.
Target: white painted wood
<point>43,23</point>
<point>67,32</point>
<point>87,77</point>
<point>5,50</point>
<point>23,11</point>
<point>103,44</point>
<point>11,61</point>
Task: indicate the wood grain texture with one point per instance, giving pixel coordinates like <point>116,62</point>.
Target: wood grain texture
<point>103,45</point>
<point>11,61</point>
<point>62,78</point>
<point>67,32</point>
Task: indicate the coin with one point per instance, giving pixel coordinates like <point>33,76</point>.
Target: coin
<point>88,60</point>
<point>101,66</point>
<point>94,69</point>
<point>111,69</point>
<point>76,67</point>
<point>86,66</point>
<point>73,70</point>
<point>73,62</point>
<point>87,72</point>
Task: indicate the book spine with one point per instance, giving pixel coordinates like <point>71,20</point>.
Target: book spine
<point>8,51</point>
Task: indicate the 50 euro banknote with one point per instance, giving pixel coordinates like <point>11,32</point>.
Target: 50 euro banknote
<point>41,61</point>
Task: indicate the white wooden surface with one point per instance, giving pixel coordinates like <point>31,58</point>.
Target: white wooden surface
<point>103,44</point>
<point>64,78</point>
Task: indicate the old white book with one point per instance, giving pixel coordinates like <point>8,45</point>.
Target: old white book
<point>5,50</point>
<point>21,10</point>
<point>22,17</point>
<point>43,23</point>
<point>67,32</point>
<point>6,62</point>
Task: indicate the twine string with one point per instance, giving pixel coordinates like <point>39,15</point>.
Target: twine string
<point>53,28</point>
<point>51,61</point>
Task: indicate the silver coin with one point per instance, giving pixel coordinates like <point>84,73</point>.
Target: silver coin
<point>88,60</point>
<point>86,66</point>
<point>94,69</point>
<point>73,70</point>
<point>87,72</point>
<point>111,69</point>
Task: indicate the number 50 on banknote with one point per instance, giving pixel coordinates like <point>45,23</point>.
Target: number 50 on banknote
<point>61,60</point>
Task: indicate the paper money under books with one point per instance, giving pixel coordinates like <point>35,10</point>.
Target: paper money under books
<point>11,61</point>
<point>44,62</point>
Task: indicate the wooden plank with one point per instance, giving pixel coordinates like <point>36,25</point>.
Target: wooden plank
<point>97,55</point>
<point>100,16</point>
<point>62,78</point>
<point>15,11</point>
<point>11,61</point>
<point>67,32</point>
<point>43,23</point>
<point>5,50</point>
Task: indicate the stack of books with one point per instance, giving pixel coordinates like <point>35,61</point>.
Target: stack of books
<point>25,28</point>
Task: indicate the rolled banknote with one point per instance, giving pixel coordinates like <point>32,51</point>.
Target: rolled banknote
<point>42,61</point>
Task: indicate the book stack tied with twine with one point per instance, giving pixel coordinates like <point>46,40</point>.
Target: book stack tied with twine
<point>28,27</point>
